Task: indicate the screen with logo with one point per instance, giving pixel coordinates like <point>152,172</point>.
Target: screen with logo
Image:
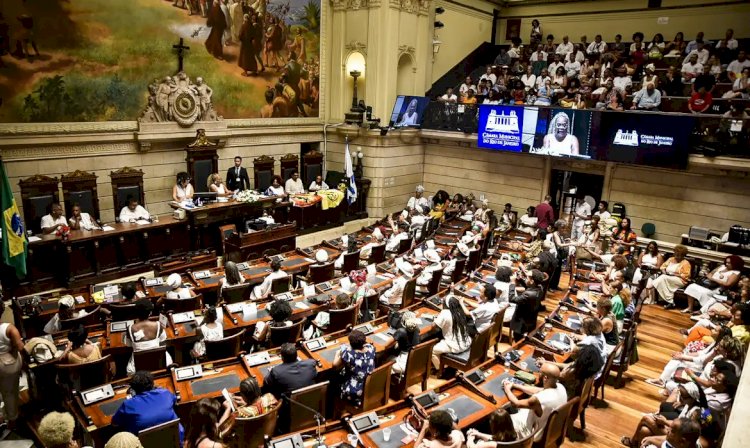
<point>408,111</point>
<point>643,139</point>
<point>556,132</point>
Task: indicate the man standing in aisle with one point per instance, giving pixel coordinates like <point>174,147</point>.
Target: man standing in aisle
<point>237,178</point>
<point>544,213</point>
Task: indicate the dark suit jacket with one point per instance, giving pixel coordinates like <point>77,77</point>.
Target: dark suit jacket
<point>286,377</point>
<point>243,184</point>
<point>524,319</point>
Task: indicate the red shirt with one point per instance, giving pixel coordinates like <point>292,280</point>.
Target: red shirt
<point>545,215</point>
<point>698,102</point>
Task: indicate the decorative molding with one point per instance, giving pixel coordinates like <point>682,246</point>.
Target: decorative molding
<point>419,7</point>
<point>125,172</point>
<point>354,5</point>
<point>178,99</point>
<point>263,159</point>
<point>289,156</point>
<point>18,129</point>
<point>78,175</point>
<point>356,46</point>
<point>408,50</point>
<point>54,152</point>
<point>266,139</point>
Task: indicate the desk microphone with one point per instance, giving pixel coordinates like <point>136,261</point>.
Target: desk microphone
<point>319,418</point>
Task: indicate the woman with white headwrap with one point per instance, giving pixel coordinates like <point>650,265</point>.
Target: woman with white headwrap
<point>394,295</point>
<point>179,290</point>
<point>482,215</point>
<point>418,200</point>
<point>559,139</point>
<point>376,239</point>
<point>65,310</point>
<point>434,259</point>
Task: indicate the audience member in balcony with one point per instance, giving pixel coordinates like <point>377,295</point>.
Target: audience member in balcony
<point>615,101</point>
<point>469,98</point>
<point>536,31</point>
<point>637,58</point>
<point>701,52</point>
<point>741,86</point>
<point>572,68</point>
<point>618,47</point>
<point>518,94</point>
<point>502,59</point>
<point>729,40</point>
<point>482,89</point>
<point>491,98</point>
<point>467,84</point>
<point>587,69</point>
<point>675,48</point>
<point>736,67</point>
<point>515,51</point>
<point>488,74</point>
<point>598,47</point>
<point>724,54</point>
<point>672,84</point>
<point>575,55</point>
<point>544,94</point>
<point>649,76</point>
<point>603,94</point>
<point>705,80</point>
<point>529,78</point>
<point>550,46</point>
<point>648,98</point>
<point>449,96</point>
<point>538,60</point>
<point>501,82</point>
<point>565,47</point>
<point>606,73</point>
<point>637,39</point>
<point>655,48</point>
<point>559,80</point>
<point>622,82</point>
<point>630,67</point>
<point>583,45</point>
<point>691,68</point>
<point>569,100</point>
<point>693,44</point>
<point>700,101</point>
<point>556,63</point>
<point>541,78</point>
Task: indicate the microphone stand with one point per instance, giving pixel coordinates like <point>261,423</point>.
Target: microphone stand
<point>319,418</point>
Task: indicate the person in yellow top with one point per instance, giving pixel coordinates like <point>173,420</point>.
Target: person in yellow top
<point>469,98</point>
<point>250,403</point>
<point>675,275</point>
<point>79,349</point>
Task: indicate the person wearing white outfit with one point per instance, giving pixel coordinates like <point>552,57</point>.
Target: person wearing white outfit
<point>179,291</point>
<point>50,223</point>
<point>722,278</point>
<point>144,334</point>
<point>209,330</point>
<point>134,212</point>
<point>649,259</point>
<point>264,289</point>
<point>418,200</point>
<point>454,327</point>
<point>505,290</point>
<point>81,220</point>
<point>376,239</point>
<point>434,259</point>
<point>395,294</point>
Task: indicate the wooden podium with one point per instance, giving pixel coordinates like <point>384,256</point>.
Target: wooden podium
<point>249,246</point>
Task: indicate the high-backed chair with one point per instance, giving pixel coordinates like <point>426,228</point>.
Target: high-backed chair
<point>319,274</point>
<point>557,426</point>
<point>281,335</point>
<point>579,410</point>
<point>225,232</point>
<point>122,312</point>
<point>263,172</point>
<point>472,262</point>
<point>433,286</point>
<point>377,254</point>
<point>404,245</point>
<point>458,272</point>
<point>526,442</point>
<point>38,193</point>
<point>410,290</point>
<point>182,305</point>
<point>417,370</point>
<point>152,359</point>
<point>79,187</point>
<point>237,293</point>
<point>376,390</point>
<point>251,432</point>
<point>496,330</point>
<point>85,376</point>
<point>311,396</point>
<point>228,347</point>
<point>470,358</point>
<point>622,361</point>
<point>289,164</point>
<point>126,182</point>
<point>202,162</point>
<point>350,263</point>
<point>161,435</point>
<point>312,166</point>
<point>599,382</point>
<point>279,285</point>
<point>340,319</point>
<point>92,318</point>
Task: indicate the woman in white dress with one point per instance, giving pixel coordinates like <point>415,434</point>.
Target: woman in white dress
<point>276,189</point>
<point>209,330</point>
<point>720,279</point>
<point>453,324</point>
<point>675,275</point>
<point>65,310</point>
<point>144,334</point>
<point>182,190</point>
<point>650,259</point>
<point>232,277</point>
<point>216,184</point>
<point>179,290</point>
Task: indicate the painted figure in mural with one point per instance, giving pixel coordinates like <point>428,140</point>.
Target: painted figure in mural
<point>218,23</point>
<point>247,48</point>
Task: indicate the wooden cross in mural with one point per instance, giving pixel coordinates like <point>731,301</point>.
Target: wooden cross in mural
<point>180,54</point>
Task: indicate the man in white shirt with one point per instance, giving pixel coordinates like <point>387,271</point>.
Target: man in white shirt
<point>565,47</point>
<point>539,55</point>
<point>400,232</point>
<point>133,211</point>
<point>418,200</point>
<point>691,68</point>
<point>81,220</point>
<point>581,215</point>
<point>543,76</point>
<point>264,289</point>
<point>449,96</point>
<point>730,40</point>
<point>534,411</point>
<point>734,69</point>
<point>552,69</point>
<point>489,75</point>
<point>701,52</point>
<point>597,47</point>
<point>468,84</point>
<point>294,184</point>
<point>50,223</point>
<point>318,184</point>
<point>572,69</point>
<point>575,55</point>
<point>486,309</point>
<point>622,81</point>
<point>395,294</point>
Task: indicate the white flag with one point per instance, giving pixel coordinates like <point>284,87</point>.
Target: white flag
<point>351,189</point>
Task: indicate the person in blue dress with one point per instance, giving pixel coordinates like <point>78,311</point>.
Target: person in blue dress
<point>148,406</point>
<point>357,361</point>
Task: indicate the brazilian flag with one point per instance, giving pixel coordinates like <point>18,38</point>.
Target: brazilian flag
<point>14,235</point>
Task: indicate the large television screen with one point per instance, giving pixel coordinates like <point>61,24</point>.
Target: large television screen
<point>643,139</point>
<point>556,132</point>
<point>408,111</point>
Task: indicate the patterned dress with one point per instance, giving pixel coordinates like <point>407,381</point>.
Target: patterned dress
<point>357,365</point>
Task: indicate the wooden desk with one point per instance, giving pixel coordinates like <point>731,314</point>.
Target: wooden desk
<point>260,371</point>
<point>225,374</point>
<point>247,246</point>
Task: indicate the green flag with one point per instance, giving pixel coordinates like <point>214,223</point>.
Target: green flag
<point>14,235</point>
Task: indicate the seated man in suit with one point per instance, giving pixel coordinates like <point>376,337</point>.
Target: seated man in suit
<point>133,211</point>
<point>290,375</point>
<point>50,223</point>
<point>294,184</point>
<point>237,178</point>
<point>527,305</point>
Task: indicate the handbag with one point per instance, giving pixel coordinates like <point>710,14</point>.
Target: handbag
<point>708,283</point>
<point>416,417</point>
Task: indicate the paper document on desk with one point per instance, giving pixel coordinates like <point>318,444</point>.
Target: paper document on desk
<point>141,222</point>
<point>107,228</point>
<point>34,238</point>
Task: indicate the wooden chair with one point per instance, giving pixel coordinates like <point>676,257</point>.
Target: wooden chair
<point>350,263</point>
<point>433,286</point>
<point>496,330</point>
<point>621,363</point>
<point>85,376</point>
<point>579,410</point>
<point>376,391</point>
<point>289,164</point>
<point>228,347</point>
<point>225,232</point>
<point>458,272</point>
<point>202,162</point>
<point>126,182</point>
<point>122,312</point>
<point>151,359</point>
<point>404,245</point>
<point>91,318</point>
<point>417,370</point>
<point>281,335</point>
<point>599,382</point>
<point>341,319</point>
<point>279,285</point>
<point>263,172</point>
<point>557,426</point>
<point>319,274</point>
<point>468,359</point>
<point>237,293</point>
<point>526,442</point>
<point>161,435</point>
<point>38,193</point>
<point>311,396</point>
<point>377,254</point>
<point>182,305</point>
<point>250,432</point>
<point>312,166</point>
<point>410,291</point>
<point>472,262</point>
<point>80,187</point>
